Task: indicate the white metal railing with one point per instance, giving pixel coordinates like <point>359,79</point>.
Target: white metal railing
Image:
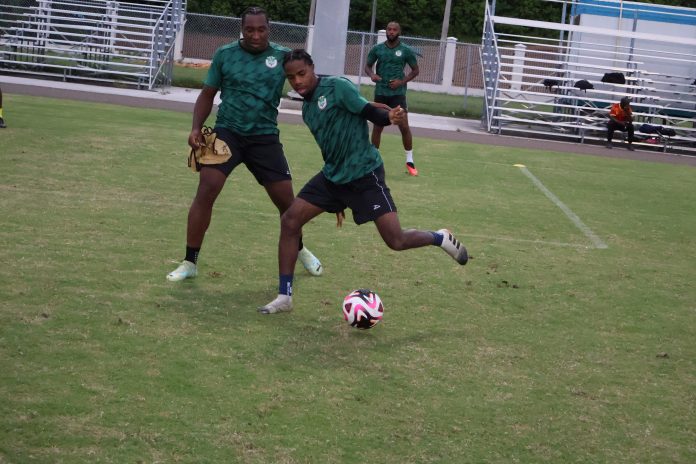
<point>101,40</point>
<point>490,62</point>
<point>518,100</point>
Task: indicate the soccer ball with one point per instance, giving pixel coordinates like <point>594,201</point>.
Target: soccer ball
<point>362,309</point>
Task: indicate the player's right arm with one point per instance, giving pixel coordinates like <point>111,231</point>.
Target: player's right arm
<point>369,64</point>
<point>373,75</point>
<point>201,111</point>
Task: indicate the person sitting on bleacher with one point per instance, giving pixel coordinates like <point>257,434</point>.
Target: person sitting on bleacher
<point>621,118</point>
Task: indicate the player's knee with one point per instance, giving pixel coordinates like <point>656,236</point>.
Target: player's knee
<point>395,242</point>
<point>207,194</point>
<point>289,223</point>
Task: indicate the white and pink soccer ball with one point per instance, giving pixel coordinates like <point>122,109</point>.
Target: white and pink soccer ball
<point>362,309</point>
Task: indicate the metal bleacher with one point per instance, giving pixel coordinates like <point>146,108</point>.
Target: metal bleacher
<point>129,43</point>
<point>531,81</point>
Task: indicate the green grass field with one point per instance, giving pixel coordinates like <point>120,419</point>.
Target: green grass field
<point>543,349</point>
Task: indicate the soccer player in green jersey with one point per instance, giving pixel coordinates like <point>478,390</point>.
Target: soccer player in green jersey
<point>352,176</point>
<point>390,83</point>
<point>249,74</point>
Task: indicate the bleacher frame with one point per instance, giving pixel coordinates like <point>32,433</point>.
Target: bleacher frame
<point>102,41</point>
<point>518,102</point>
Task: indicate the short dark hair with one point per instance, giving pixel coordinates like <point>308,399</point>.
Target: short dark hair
<point>298,54</point>
<point>254,10</point>
<point>625,101</point>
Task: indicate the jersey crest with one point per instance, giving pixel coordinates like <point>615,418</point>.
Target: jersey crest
<point>271,62</point>
<point>398,53</point>
<point>321,102</point>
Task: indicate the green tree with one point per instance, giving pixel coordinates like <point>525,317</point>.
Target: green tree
<point>422,18</point>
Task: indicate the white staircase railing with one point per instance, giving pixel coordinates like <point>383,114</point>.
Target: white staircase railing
<point>112,41</point>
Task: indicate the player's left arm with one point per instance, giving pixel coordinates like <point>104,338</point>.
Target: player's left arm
<point>377,113</point>
<point>382,117</point>
<point>415,70</point>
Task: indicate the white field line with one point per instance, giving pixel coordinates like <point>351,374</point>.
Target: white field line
<point>524,240</point>
<point>598,242</point>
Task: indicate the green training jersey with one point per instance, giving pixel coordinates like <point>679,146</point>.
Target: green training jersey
<point>332,114</point>
<point>390,66</point>
<point>250,86</point>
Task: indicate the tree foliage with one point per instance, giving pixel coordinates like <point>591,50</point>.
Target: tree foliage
<point>421,18</point>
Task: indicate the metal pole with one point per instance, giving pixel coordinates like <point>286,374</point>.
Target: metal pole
<point>468,73</point>
<point>362,59</point>
<point>443,39</point>
<point>312,9</point>
<point>373,39</point>
<point>563,20</point>
<point>374,16</point>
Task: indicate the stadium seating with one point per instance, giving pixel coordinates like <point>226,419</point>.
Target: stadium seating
<point>130,43</point>
<point>531,83</point>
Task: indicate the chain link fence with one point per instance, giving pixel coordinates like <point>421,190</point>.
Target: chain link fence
<point>203,34</point>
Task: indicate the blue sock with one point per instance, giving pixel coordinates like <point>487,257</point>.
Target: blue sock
<point>437,238</point>
<point>285,287</point>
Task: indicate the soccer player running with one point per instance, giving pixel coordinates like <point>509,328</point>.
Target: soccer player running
<point>250,75</point>
<point>353,173</point>
<point>391,57</point>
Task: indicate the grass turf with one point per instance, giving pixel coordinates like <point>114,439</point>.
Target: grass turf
<point>542,349</point>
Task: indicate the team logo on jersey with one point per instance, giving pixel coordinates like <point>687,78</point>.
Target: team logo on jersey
<point>271,62</point>
<point>321,103</point>
<point>397,53</point>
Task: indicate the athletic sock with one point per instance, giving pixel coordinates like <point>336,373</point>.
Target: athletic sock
<point>409,157</point>
<point>437,238</point>
<point>192,254</point>
<point>285,286</point>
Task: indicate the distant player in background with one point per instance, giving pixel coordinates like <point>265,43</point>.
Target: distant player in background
<point>250,75</point>
<point>352,176</point>
<point>2,121</point>
<point>391,57</point>
<point>621,118</point>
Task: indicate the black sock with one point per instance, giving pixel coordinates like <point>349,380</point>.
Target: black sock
<point>192,254</point>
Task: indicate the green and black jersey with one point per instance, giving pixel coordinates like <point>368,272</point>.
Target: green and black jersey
<point>390,66</point>
<point>250,86</point>
<point>332,114</point>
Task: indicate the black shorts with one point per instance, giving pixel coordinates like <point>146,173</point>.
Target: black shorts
<point>262,154</point>
<point>392,101</point>
<point>368,197</point>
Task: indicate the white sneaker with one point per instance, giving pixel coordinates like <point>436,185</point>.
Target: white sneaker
<point>282,303</point>
<point>310,262</point>
<point>186,270</point>
<point>453,247</point>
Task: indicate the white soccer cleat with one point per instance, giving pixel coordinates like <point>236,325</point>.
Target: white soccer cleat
<point>453,247</point>
<point>310,262</point>
<point>282,303</point>
<point>186,270</point>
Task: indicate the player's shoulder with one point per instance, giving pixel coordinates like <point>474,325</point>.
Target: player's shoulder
<point>339,82</point>
<point>228,47</point>
<point>278,48</point>
<point>407,47</point>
